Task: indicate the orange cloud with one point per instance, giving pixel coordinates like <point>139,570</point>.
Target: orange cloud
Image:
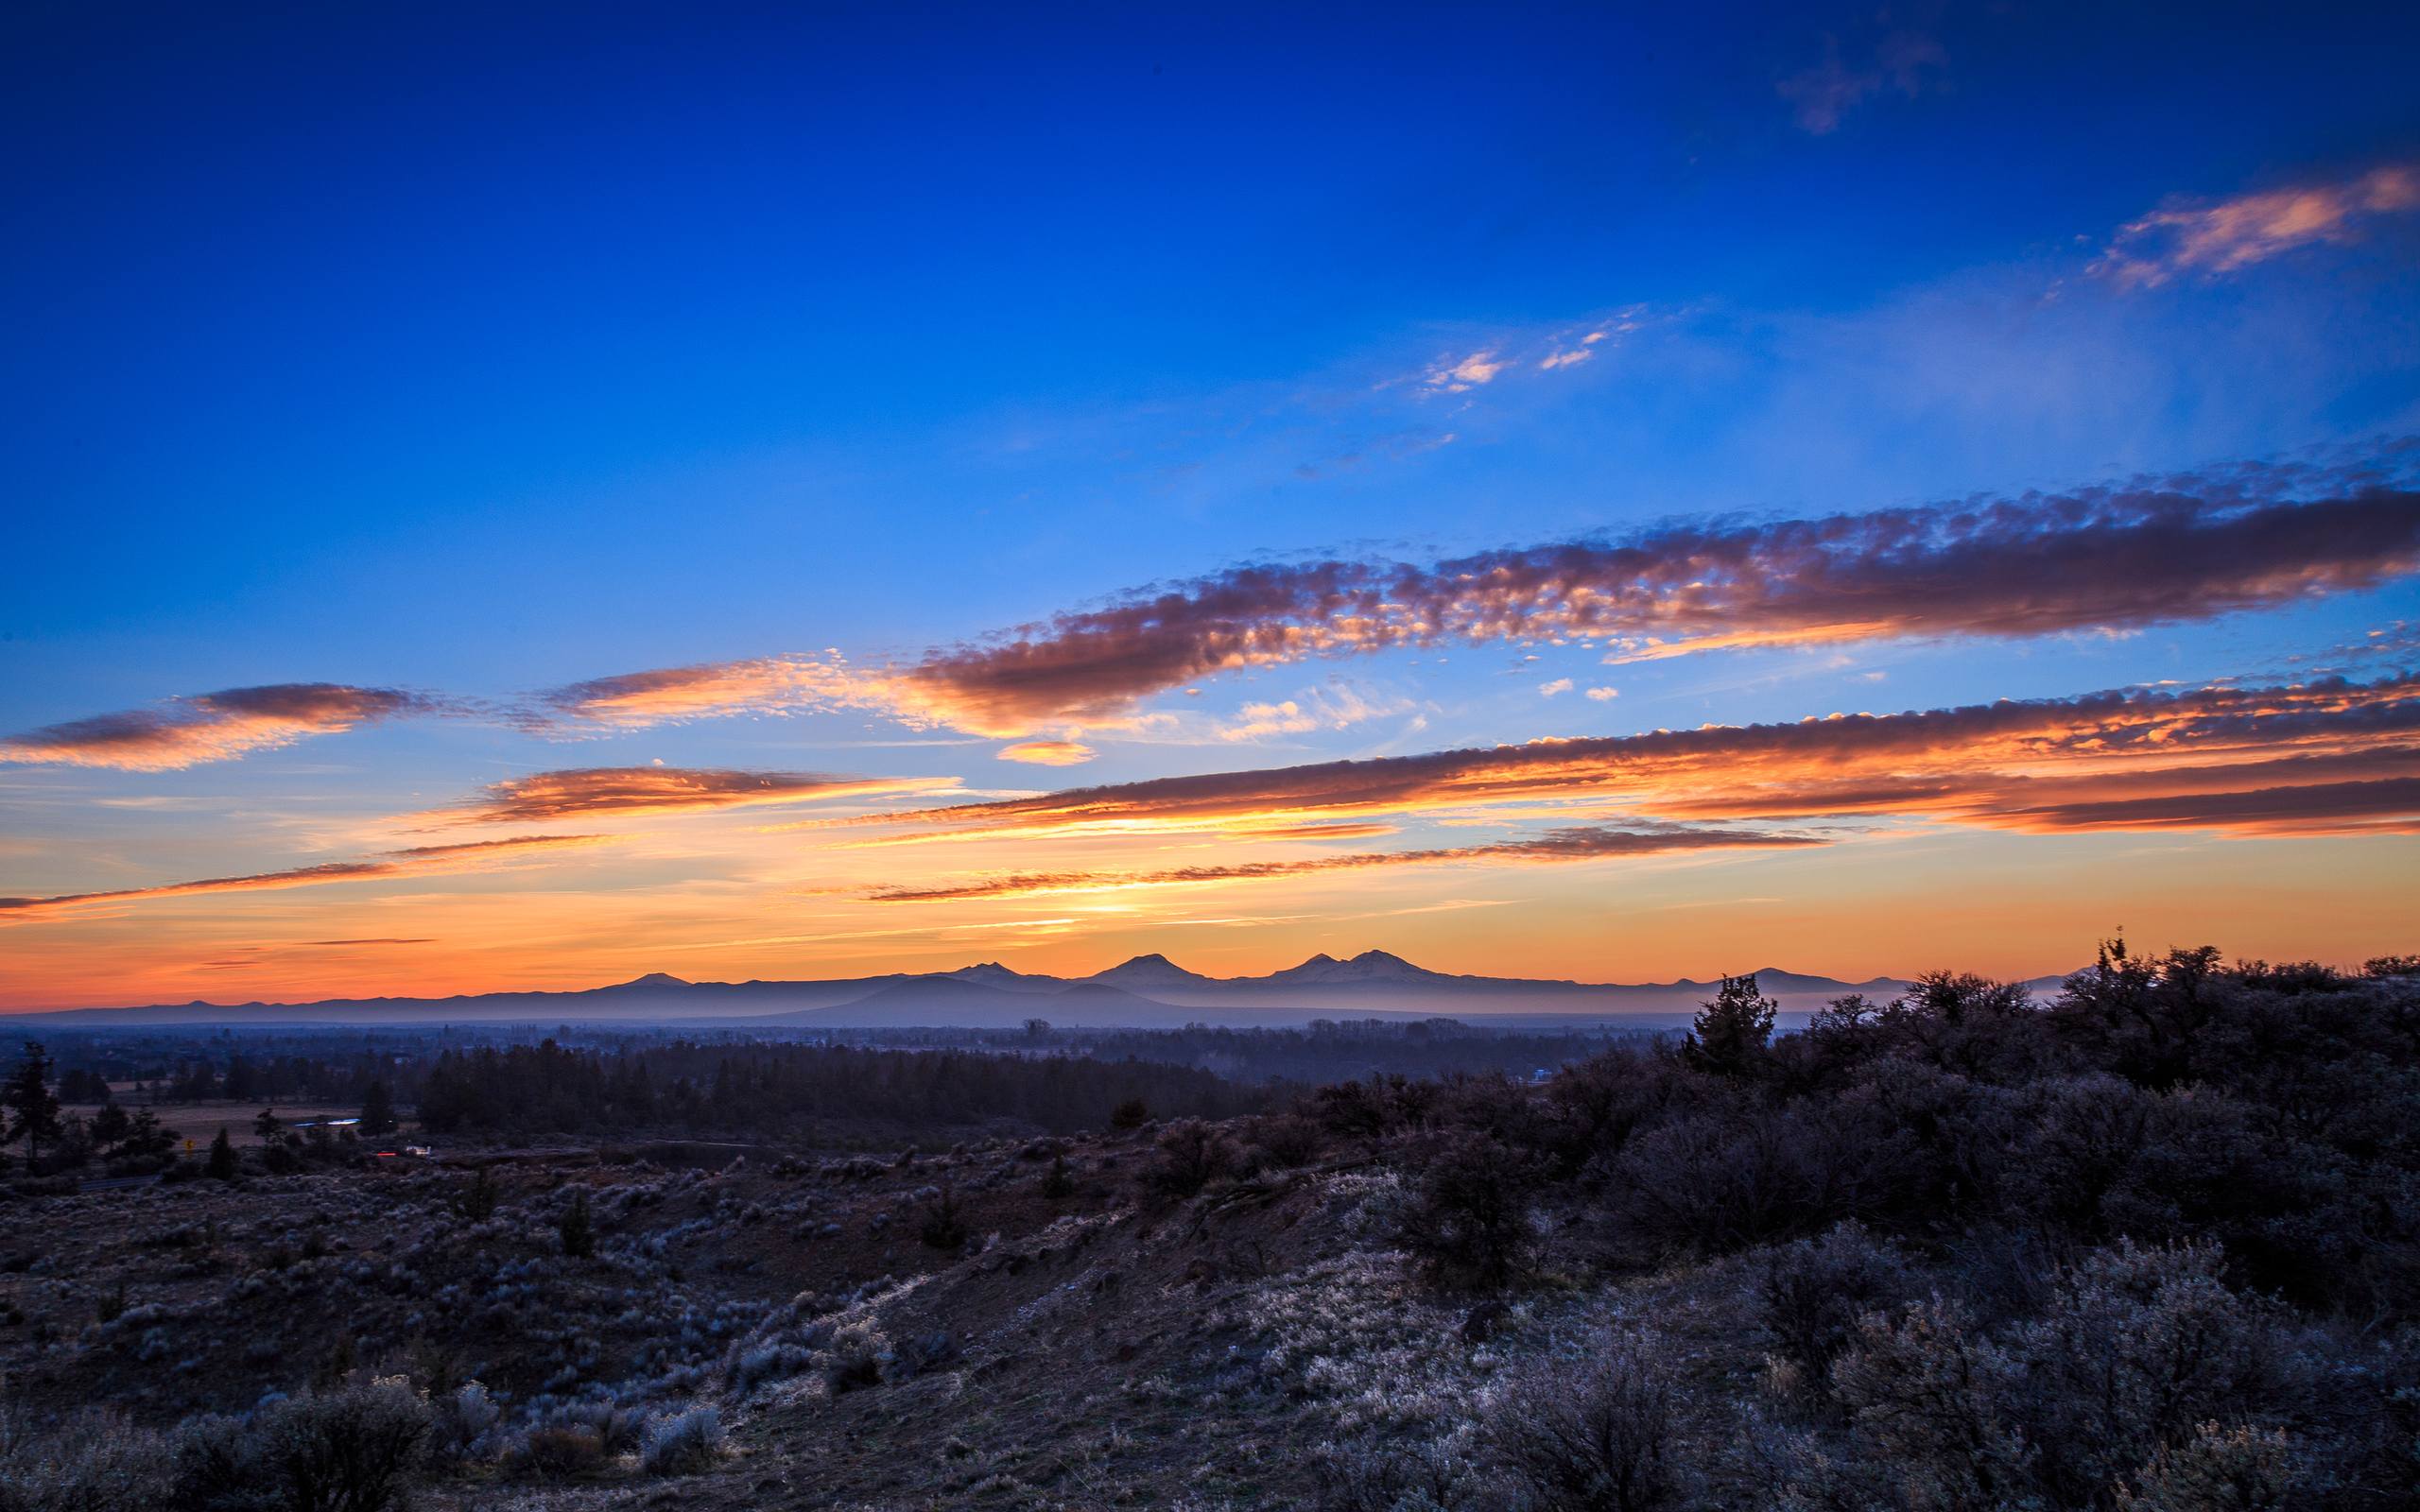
<point>2035,763</point>
<point>211,727</point>
<point>414,860</point>
<point>2230,234</point>
<point>760,686</point>
<point>1576,843</point>
<point>1046,752</point>
<point>587,792</point>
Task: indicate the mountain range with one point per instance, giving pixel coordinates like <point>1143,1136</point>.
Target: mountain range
<point>1146,992</point>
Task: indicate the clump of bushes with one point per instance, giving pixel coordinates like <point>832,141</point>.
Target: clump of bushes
<point>1470,1224</point>
<point>684,1443</point>
<point>853,1357</point>
<point>92,1461</point>
<point>463,1424</point>
<point>353,1448</point>
<point>1812,1295</point>
<point>1601,1431</point>
<point>1190,1155</point>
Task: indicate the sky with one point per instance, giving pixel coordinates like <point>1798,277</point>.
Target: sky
<point>518,497</point>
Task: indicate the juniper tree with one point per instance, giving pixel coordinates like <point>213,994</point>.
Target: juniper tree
<point>33,1106</point>
<point>579,1233</point>
<point>377,1109</point>
<point>222,1164</point>
<point>477,1201</point>
<point>1731,1034</point>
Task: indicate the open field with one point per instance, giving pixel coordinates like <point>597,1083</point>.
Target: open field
<point>195,1124</point>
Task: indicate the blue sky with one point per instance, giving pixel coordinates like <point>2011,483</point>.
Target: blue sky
<point>479,354</point>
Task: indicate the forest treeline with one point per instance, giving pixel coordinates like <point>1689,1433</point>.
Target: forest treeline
<point>516,1082</point>
<point>766,1091</point>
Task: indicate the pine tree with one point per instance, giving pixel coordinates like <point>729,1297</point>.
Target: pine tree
<point>1058,1182</point>
<point>32,1106</point>
<point>1732,1032</point>
<point>267,1125</point>
<point>377,1109</point>
<point>579,1233</point>
<point>222,1164</point>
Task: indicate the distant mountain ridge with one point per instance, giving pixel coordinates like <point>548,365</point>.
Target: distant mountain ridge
<point>1145,990</point>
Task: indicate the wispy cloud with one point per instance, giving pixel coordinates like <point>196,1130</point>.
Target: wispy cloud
<point>1821,96</point>
<point>2222,236</point>
<point>1047,752</point>
<point>773,685</point>
<point>1527,351</point>
<point>212,726</point>
<point>1339,707</point>
<point>1459,375</point>
<point>1568,844</point>
<point>592,791</point>
<point>413,861</point>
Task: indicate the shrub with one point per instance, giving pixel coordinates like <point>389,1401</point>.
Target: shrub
<point>460,1423</point>
<point>94,1461</point>
<point>2137,1349</point>
<point>1602,1437</point>
<point>618,1430</point>
<point>1058,1182</point>
<point>557,1451</point>
<point>1470,1224</point>
<point>1723,1181</point>
<point>853,1358</point>
<point>1933,1402</point>
<point>1601,1103</point>
<point>1811,1294</point>
<point>1285,1140</point>
<point>685,1443</point>
<point>2237,1469</point>
<point>349,1450</point>
<point>1388,1478</point>
<point>1130,1114</point>
<point>751,1368</point>
<point>1191,1155</point>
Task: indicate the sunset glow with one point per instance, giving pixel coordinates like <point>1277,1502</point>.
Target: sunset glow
<point>1745,536</point>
